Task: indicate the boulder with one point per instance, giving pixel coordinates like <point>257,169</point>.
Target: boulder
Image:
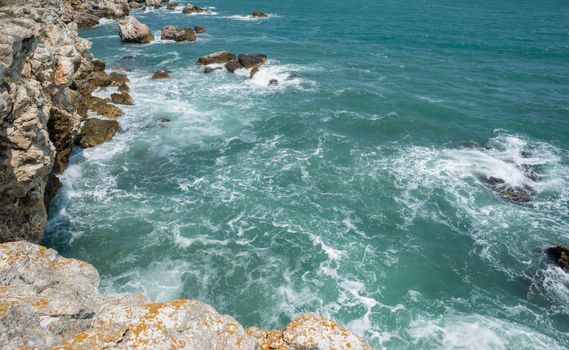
<point>560,255</point>
<point>216,57</point>
<point>122,98</point>
<point>117,79</point>
<point>178,34</point>
<point>97,131</point>
<point>123,88</point>
<point>189,9</point>
<point>514,194</point>
<point>208,70</point>
<point>102,107</point>
<point>172,5</point>
<point>135,5</point>
<point>258,14</point>
<point>199,29</point>
<point>233,65</point>
<point>161,74</point>
<point>153,3</point>
<point>85,19</point>
<point>250,61</point>
<point>132,31</point>
<point>123,68</point>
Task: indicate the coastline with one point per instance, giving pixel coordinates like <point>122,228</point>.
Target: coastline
<point>49,75</point>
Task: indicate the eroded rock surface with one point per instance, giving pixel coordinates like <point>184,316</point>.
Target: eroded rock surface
<point>132,31</point>
<point>178,34</point>
<point>216,57</point>
<point>50,301</point>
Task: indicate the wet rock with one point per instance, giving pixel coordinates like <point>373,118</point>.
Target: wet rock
<point>153,3</point>
<point>199,30</point>
<point>208,70</point>
<point>178,34</point>
<point>165,120</point>
<point>273,82</point>
<point>172,5</point>
<point>254,71</point>
<point>132,31</point>
<point>531,171</point>
<point>97,131</point>
<point>123,88</point>
<point>560,255</point>
<point>258,14</point>
<point>514,194</point>
<point>117,79</point>
<point>250,61</point>
<point>86,20</point>
<point>161,74</point>
<point>52,186</point>
<point>122,98</point>
<point>233,65</point>
<point>102,107</point>
<point>135,5</point>
<point>216,57</point>
<point>123,68</point>
<point>189,9</point>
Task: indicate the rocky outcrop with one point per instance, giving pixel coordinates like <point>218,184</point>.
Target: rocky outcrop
<point>47,74</point>
<point>189,9</point>
<point>88,13</point>
<point>154,3</point>
<point>172,5</point>
<point>97,131</point>
<point>132,31</point>
<point>216,57</point>
<point>50,301</point>
<point>258,14</point>
<point>161,74</point>
<point>560,255</point>
<point>178,34</point>
<point>250,61</point>
<point>199,30</point>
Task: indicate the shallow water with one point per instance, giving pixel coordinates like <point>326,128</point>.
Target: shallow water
<point>352,188</point>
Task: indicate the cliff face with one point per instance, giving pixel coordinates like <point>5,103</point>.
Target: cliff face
<point>50,301</point>
<point>42,62</point>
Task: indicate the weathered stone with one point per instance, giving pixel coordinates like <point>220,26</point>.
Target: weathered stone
<point>122,98</point>
<point>123,88</point>
<point>102,107</point>
<point>258,14</point>
<point>161,74</point>
<point>250,61</point>
<point>117,79</point>
<point>199,30</point>
<point>178,34</point>
<point>153,3</point>
<point>123,68</point>
<point>189,9</point>
<point>208,70</point>
<point>233,65</point>
<point>132,31</point>
<point>560,255</point>
<point>135,5</point>
<point>97,131</point>
<point>172,5</point>
<point>216,57</point>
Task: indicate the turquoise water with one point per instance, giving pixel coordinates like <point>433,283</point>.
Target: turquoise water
<point>352,188</point>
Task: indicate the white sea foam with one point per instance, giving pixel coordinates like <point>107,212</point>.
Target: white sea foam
<point>251,18</point>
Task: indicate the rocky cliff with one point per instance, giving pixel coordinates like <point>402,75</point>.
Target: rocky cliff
<point>47,301</point>
<point>46,72</point>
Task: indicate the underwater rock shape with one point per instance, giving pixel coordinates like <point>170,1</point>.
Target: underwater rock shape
<point>208,70</point>
<point>199,30</point>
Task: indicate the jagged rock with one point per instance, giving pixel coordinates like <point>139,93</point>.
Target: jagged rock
<point>52,186</point>
<point>86,20</point>
<point>216,57</point>
<point>198,29</point>
<point>250,61</point>
<point>161,74</point>
<point>36,284</point>
<point>123,68</point>
<point>178,34</point>
<point>189,9</point>
<point>88,13</point>
<point>97,131</point>
<point>122,98</point>
<point>135,5</point>
<point>254,71</point>
<point>117,79</point>
<point>172,5</point>
<point>123,88</point>
<point>560,255</point>
<point>258,14</point>
<point>233,65</point>
<point>132,31</point>
<point>102,107</point>
<point>208,70</point>
<point>153,3</point>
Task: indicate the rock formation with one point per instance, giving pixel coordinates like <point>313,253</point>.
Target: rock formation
<point>50,301</point>
<point>161,74</point>
<point>172,5</point>
<point>178,34</point>
<point>216,57</point>
<point>132,31</point>
<point>96,131</point>
<point>258,14</point>
<point>560,255</point>
<point>189,9</point>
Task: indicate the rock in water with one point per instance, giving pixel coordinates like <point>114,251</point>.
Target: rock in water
<point>122,98</point>
<point>233,65</point>
<point>199,29</point>
<point>132,31</point>
<point>50,301</point>
<point>97,131</point>
<point>273,82</point>
<point>258,14</point>
<point>161,74</point>
<point>153,3</point>
<point>178,34</point>
<point>135,5</point>
<point>560,255</point>
<point>189,9</point>
<point>172,5</point>
<point>102,107</point>
<point>208,70</point>
<point>250,61</point>
<point>254,71</point>
<point>216,57</point>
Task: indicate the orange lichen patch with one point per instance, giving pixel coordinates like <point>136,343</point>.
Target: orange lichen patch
<point>268,339</point>
<point>41,303</point>
<point>98,338</point>
<point>4,308</point>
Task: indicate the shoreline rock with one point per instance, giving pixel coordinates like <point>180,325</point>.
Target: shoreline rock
<point>97,131</point>
<point>38,284</point>
<point>178,34</point>
<point>161,74</point>
<point>215,58</point>
<point>132,31</point>
<point>190,9</point>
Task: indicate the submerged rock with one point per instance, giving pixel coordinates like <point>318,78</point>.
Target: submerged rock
<point>233,65</point>
<point>216,57</point>
<point>250,61</point>
<point>560,255</point>
<point>96,131</point>
<point>273,82</point>
<point>36,284</point>
<point>198,29</point>
<point>189,9</point>
<point>258,14</point>
<point>178,34</point>
<point>122,98</point>
<point>132,31</point>
<point>161,74</point>
<point>208,70</point>
<point>515,194</point>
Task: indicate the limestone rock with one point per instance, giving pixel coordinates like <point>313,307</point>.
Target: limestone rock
<point>216,57</point>
<point>178,34</point>
<point>132,31</point>
<point>189,9</point>
<point>122,98</point>
<point>135,5</point>
<point>153,3</point>
<point>97,131</point>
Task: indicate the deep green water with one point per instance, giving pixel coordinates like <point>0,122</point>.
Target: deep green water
<point>347,190</point>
